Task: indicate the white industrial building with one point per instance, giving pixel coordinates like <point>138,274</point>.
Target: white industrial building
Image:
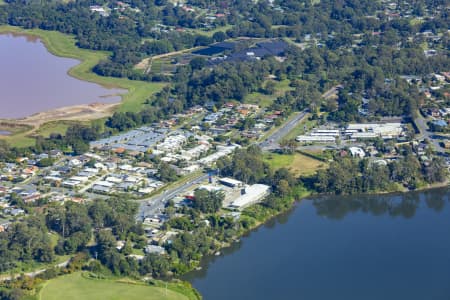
<point>230,182</point>
<point>372,130</point>
<point>315,139</point>
<point>326,132</point>
<point>250,195</point>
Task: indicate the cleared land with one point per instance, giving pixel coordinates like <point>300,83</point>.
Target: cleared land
<point>297,163</point>
<point>64,45</point>
<point>76,286</point>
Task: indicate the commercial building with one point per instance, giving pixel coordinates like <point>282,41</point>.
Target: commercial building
<point>250,195</point>
<point>373,130</point>
<point>315,139</point>
<point>230,182</point>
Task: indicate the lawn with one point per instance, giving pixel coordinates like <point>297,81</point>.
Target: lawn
<point>77,286</point>
<point>297,163</point>
<point>64,45</point>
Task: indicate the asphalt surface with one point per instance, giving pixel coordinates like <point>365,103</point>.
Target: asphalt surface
<point>421,123</point>
<point>272,141</point>
<point>154,205</point>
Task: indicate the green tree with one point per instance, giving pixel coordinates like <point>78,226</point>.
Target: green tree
<point>208,201</point>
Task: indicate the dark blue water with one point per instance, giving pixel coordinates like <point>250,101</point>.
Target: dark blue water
<point>369,247</point>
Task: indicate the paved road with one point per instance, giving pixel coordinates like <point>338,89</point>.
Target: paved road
<point>421,123</point>
<point>271,142</point>
<point>155,204</point>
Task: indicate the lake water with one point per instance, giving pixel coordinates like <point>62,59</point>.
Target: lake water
<point>4,132</point>
<point>33,80</point>
<point>353,248</point>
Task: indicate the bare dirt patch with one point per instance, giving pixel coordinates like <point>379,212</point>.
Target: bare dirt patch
<point>82,113</point>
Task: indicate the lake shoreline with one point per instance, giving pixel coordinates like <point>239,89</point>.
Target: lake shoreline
<point>289,208</point>
<point>353,237</point>
<point>62,45</point>
<point>47,42</point>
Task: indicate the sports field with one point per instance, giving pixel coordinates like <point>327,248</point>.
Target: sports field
<point>77,286</point>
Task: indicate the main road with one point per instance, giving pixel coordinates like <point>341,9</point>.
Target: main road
<point>155,205</point>
<point>271,142</point>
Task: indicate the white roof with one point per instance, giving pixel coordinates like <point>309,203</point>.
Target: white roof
<point>104,183</point>
<point>79,178</point>
<point>320,138</point>
<point>114,179</point>
<point>357,151</point>
<point>146,190</point>
<point>253,194</point>
<point>230,181</point>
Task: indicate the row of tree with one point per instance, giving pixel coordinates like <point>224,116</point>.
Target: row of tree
<point>347,175</point>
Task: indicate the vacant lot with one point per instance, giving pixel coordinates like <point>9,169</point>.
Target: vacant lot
<point>76,286</point>
<point>297,163</point>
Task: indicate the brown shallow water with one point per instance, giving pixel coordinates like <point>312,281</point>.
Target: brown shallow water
<point>33,80</point>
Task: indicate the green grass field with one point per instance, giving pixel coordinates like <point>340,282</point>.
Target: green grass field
<point>77,286</point>
<point>64,45</point>
<point>297,163</point>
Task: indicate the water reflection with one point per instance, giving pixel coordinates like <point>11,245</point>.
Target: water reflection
<point>402,205</point>
<point>338,207</point>
<point>368,247</point>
